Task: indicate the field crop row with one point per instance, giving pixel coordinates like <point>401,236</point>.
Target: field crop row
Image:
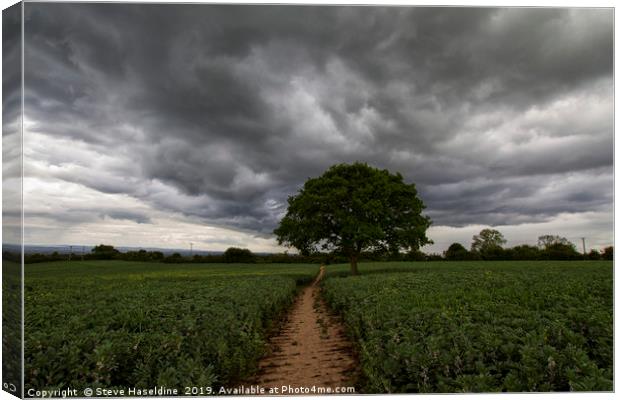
<point>11,325</point>
<point>121,324</point>
<point>466,327</point>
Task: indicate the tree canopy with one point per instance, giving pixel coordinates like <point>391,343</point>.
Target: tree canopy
<point>353,208</point>
<point>546,241</point>
<point>237,255</point>
<point>104,252</point>
<point>487,241</point>
<point>525,252</point>
<point>456,252</point>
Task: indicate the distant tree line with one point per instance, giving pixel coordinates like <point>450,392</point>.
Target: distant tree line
<point>231,255</point>
<point>487,245</point>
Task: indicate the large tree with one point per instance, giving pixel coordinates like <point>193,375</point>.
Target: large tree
<point>487,241</point>
<point>456,252</point>
<point>546,241</point>
<point>104,252</point>
<point>353,208</point>
<point>237,255</point>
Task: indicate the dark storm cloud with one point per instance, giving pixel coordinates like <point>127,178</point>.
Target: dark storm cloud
<point>236,106</point>
<point>84,215</point>
<point>520,199</point>
<point>11,67</point>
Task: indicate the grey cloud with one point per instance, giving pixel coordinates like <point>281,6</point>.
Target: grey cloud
<point>11,67</point>
<point>526,199</point>
<point>88,215</point>
<point>126,215</point>
<point>234,107</point>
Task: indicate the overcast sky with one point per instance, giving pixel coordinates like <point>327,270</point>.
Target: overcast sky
<point>161,125</point>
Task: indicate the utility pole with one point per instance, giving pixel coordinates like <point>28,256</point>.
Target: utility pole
<point>583,242</point>
<point>191,249</point>
<point>70,251</point>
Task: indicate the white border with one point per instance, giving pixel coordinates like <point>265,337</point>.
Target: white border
<point>479,3</point>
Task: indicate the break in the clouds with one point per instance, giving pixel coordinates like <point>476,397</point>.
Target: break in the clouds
<point>141,119</point>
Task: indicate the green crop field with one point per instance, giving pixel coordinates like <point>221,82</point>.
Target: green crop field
<point>479,327</point>
<point>11,323</point>
<point>418,327</point>
<point>128,324</point>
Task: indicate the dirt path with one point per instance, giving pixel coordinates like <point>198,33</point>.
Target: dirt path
<point>311,349</point>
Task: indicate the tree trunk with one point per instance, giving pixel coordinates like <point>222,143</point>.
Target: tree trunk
<point>354,265</point>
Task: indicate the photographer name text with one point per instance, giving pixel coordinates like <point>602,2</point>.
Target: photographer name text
<point>242,390</point>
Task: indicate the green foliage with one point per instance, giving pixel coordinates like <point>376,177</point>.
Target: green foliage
<point>11,322</point>
<point>560,251</point>
<point>236,255</point>
<point>546,241</point>
<point>479,327</point>
<point>525,252</point>
<point>174,258</point>
<point>104,252</point>
<point>608,253</point>
<point>142,255</point>
<point>120,324</point>
<point>557,248</point>
<point>354,208</point>
<point>488,244</point>
<point>456,252</point>
<point>177,258</point>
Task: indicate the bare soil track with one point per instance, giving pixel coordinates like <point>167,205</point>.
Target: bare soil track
<point>311,349</point>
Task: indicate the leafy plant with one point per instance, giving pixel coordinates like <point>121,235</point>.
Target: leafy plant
<point>479,327</point>
<point>120,324</point>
